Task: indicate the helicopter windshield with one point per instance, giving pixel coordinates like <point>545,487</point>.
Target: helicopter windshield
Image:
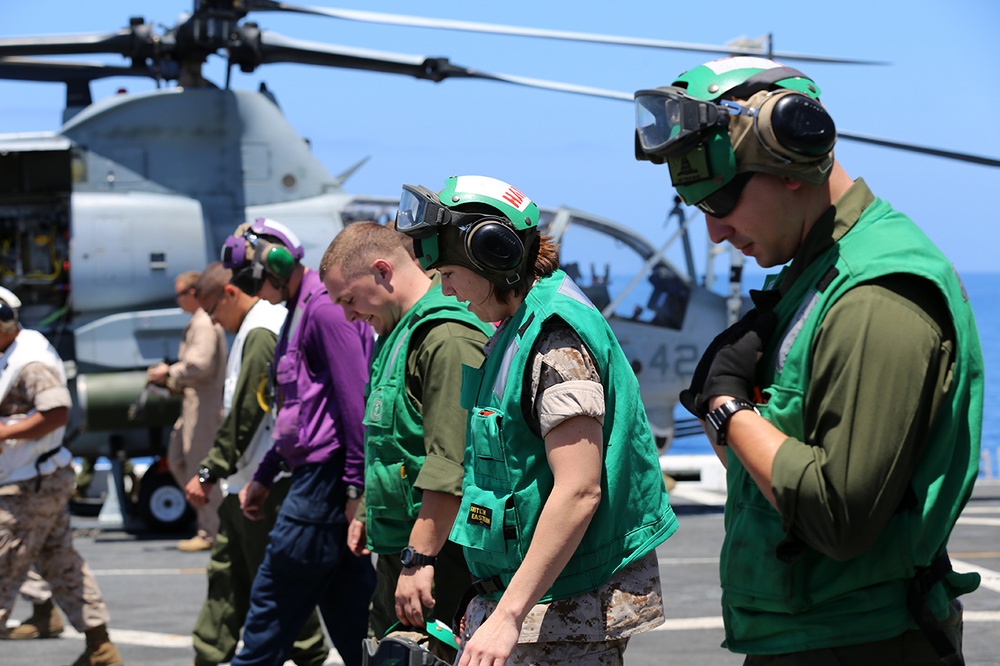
<point>630,281</point>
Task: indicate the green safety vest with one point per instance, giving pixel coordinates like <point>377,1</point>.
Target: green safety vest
<point>507,476</point>
<point>773,607</point>
<point>394,427</point>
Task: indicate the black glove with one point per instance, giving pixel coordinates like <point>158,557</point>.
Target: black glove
<point>729,365</point>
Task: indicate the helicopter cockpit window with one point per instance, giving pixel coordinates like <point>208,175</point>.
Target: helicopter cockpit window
<point>614,270</point>
<point>668,302</point>
<point>369,209</point>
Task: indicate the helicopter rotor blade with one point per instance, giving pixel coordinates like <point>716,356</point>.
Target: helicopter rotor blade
<point>274,48</point>
<point>35,69</point>
<point>121,42</point>
<point>76,75</point>
<point>499,29</point>
<point>925,150</point>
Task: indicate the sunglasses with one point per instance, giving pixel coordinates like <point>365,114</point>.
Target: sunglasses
<point>722,202</point>
<point>211,310</point>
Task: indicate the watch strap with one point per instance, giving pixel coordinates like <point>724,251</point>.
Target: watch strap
<point>717,420</point>
<point>411,558</point>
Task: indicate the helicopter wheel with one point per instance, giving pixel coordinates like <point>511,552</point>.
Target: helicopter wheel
<point>162,505</point>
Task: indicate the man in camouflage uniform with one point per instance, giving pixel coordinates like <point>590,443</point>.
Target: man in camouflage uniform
<point>36,482</point>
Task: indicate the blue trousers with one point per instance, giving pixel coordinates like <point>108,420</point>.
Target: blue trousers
<point>308,564</point>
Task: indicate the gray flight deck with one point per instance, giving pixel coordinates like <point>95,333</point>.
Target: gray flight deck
<point>154,591</point>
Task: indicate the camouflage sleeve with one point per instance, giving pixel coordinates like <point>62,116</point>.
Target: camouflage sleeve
<point>37,387</point>
<point>565,381</point>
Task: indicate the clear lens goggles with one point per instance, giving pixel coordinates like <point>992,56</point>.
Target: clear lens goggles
<point>419,208</point>
<point>420,212</point>
<point>669,122</point>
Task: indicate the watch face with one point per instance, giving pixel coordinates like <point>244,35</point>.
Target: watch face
<point>406,557</point>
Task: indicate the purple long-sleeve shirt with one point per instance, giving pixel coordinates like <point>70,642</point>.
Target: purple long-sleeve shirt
<point>330,357</point>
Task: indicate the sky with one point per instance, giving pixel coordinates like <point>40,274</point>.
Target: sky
<point>563,149</point>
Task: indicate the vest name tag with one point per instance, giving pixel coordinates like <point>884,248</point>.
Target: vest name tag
<point>480,515</point>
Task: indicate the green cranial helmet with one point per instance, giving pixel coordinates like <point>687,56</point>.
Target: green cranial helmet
<point>478,222</point>
<point>735,115</point>
<point>742,76</point>
<point>490,196</point>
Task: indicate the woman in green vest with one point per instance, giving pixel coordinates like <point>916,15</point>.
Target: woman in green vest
<point>563,499</point>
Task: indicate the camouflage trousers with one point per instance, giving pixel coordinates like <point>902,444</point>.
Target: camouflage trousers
<point>34,589</point>
<point>35,531</point>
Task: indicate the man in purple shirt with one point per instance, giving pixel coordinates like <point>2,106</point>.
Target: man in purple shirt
<point>320,372</point>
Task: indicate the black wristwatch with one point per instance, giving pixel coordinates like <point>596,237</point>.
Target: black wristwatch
<point>717,420</point>
<point>353,492</point>
<point>411,558</point>
<point>205,475</point>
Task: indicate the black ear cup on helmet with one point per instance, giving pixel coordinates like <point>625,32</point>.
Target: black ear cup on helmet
<point>795,127</point>
<point>494,245</point>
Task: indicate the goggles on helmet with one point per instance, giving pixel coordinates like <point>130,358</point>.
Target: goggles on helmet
<point>421,211</point>
<point>670,122</point>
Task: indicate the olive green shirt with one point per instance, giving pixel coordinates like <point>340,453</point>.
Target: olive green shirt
<point>433,382</point>
<point>240,425</point>
<point>880,368</point>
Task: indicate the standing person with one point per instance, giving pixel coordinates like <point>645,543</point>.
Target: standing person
<point>852,444</point>
<point>198,374</point>
<point>563,499</point>
<point>36,483</point>
<point>320,372</point>
<point>240,444</point>
<point>414,437</point>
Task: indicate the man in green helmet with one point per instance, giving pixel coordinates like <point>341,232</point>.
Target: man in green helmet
<point>847,405</point>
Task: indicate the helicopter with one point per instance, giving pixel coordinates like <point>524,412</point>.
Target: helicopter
<point>99,216</point>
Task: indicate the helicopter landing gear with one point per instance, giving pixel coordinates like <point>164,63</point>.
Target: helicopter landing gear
<point>161,504</point>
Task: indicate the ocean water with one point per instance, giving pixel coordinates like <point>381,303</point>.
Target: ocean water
<point>984,294</point>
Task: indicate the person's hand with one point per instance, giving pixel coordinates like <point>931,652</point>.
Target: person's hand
<point>157,374</point>
<point>492,643</point>
<point>197,492</point>
<point>357,538</point>
<point>413,593</point>
<point>252,498</point>
<point>729,365</point>
<point>351,509</point>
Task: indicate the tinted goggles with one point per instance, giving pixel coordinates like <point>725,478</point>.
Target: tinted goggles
<point>722,202</point>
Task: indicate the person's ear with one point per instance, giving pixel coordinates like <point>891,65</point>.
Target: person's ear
<point>382,270</point>
<point>791,183</point>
